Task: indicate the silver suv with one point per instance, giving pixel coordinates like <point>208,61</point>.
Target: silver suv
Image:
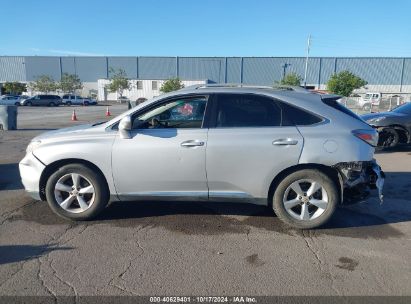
<point>300,153</point>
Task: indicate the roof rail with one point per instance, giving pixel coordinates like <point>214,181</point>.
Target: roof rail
<point>230,85</point>
<point>239,85</point>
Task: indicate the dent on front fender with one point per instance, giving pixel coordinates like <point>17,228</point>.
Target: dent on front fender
<point>96,151</point>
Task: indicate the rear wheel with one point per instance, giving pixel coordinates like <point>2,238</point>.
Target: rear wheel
<point>16,103</point>
<point>76,192</point>
<point>86,103</point>
<point>68,103</point>
<point>52,104</point>
<point>28,103</point>
<point>306,199</point>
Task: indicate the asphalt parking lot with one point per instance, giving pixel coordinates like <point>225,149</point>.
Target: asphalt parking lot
<point>163,248</point>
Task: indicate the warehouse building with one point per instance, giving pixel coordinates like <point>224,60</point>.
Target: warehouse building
<point>385,75</point>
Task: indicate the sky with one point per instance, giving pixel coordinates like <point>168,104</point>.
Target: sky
<point>205,28</point>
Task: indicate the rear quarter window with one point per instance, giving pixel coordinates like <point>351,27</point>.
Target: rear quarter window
<point>296,116</point>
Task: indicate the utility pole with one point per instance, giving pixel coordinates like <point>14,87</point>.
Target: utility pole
<point>306,60</point>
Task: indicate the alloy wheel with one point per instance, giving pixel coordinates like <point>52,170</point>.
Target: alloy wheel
<point>74,193</point>
<point>305,199</point>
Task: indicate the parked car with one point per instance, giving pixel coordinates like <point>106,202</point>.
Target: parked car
<point>9,100</point>
<point>394,126</point>
<point>71,99</point>
<point>42,100</point>
<point>370,99</point>
<point>299,153</point>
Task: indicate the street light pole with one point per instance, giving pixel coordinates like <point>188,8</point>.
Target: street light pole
<point>306,60</point>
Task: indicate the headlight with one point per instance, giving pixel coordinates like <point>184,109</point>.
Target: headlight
<point>33,145</point>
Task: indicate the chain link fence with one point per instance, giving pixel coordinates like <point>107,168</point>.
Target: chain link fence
<point>359,105</point>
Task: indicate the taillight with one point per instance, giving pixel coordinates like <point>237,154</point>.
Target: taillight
<point>369,136</point>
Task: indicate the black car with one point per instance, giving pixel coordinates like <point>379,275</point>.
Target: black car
<point>394,127</point>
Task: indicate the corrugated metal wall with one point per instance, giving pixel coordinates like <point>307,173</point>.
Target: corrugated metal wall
<point>12,69</point>
<point>211,68</point>
<point>156,67</point>
<point>250,70</point>
<point>42,65</point>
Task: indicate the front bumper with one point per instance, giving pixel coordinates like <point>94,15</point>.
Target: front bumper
<point>357,178</point>
<point>30,171</point>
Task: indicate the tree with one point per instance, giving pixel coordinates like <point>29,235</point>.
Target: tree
<point>69,83</point>
<point>292,79</point>
<point>119,81</point>
<point>344,83</point>
<point>172,84</point>
<point>44,84</point>
<point>15,87</point>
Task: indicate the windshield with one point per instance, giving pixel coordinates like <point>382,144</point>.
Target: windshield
<point>404,108</point>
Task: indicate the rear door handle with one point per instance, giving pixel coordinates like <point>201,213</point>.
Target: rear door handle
<point>285,142</point>
<point>192,143</point>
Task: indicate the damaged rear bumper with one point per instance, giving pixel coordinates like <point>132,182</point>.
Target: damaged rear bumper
<point>358,178</point>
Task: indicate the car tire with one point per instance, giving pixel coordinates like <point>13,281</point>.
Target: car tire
<point>73,204</point>
<point>52,104</point>
<point>68,103</point>
<point>29,104</point>
<point>17,103</point>
<point>388,138</point>
<point>300,210</point>
<point>86,103</point>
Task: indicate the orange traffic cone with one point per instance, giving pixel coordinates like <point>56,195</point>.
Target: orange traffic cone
<point>108,112</point>
<point>73,116</point>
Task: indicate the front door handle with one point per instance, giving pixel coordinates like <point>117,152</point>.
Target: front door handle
<point>285,142</point>
<point>192,143</point>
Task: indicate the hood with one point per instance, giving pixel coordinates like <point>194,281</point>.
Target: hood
<point>372,116</point>
<point>65,131</point>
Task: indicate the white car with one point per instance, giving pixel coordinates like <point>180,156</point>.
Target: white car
<point>9,100</point>
<point>70,99</point>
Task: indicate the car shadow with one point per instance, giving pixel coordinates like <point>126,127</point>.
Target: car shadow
<point>10,177</point>
<point>18,253</point>
<point>368,219</point>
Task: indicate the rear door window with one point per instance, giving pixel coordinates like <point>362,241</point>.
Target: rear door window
<point>246,110</point>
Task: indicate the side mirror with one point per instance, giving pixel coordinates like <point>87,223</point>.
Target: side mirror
<point>124,127</point>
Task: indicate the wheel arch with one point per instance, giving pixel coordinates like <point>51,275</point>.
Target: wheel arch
<point>54,166</point>
<point>329,171</point>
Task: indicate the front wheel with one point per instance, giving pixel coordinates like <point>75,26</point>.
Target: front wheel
<point>76,192</point>
<point>388,138</point>
<point>17,103</point>
<point>306,199</point>
<point>29,104</point>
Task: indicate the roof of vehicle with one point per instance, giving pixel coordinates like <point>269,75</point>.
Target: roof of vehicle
<point>307,100</point>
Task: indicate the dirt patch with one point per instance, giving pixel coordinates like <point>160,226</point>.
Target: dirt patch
<point>254,260</point>
<point>347,264</point>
